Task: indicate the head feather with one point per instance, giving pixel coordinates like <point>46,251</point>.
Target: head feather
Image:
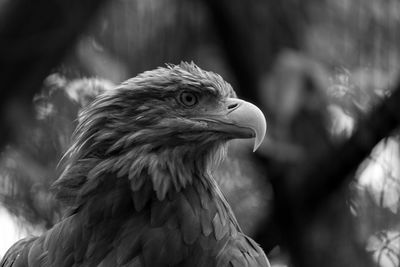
<point>137,128</point>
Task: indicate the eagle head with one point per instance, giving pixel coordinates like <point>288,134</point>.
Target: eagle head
<point>175,118</point>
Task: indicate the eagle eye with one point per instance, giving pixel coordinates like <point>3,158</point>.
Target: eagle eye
<point>188,99</point>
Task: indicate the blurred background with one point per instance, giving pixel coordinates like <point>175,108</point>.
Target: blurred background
<point>316,68</point>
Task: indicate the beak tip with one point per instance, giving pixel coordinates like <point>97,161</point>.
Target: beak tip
<point>256,146</point>
<point>260,136</point>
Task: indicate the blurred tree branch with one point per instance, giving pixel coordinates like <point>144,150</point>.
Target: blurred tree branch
<point>35,37</point>
<point>310,197</point>
<point>335,164</point>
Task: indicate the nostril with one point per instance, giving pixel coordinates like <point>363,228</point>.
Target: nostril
<point>231,106</point>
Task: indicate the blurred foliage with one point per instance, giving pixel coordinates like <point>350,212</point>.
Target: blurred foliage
<point>29,167</point>
<point>335,62</point>
<point>358,42</point>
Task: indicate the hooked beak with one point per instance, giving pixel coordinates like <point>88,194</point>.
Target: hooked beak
<point>240,119</point>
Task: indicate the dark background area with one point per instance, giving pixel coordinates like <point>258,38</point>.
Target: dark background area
<point>323,189</point>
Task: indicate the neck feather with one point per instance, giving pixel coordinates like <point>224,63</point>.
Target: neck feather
<point>169,170</point>
<point>104,187</point>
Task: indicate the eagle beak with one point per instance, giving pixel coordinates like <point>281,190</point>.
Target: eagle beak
<point>245,120</point>
<point>238,119</point>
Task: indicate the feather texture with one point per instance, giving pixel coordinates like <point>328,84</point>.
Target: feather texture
<point>137,183</point>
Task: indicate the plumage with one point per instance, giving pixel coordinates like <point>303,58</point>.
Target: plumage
<point>137,184</point>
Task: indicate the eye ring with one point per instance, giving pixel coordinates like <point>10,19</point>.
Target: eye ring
<point>188,99</point>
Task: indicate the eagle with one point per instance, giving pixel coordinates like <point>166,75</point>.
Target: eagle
<point>138,186</point>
